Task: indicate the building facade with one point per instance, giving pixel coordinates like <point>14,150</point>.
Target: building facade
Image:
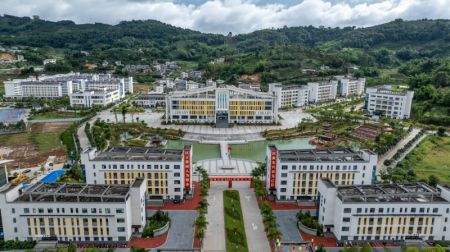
<point>351,87</point>
<point>73,212</point>
<point>294,174</point>
<point>53,86</point>
<point>89,98</point>
<point>322,91</point>
<point>150,100</point>
<point>384,101</point>
<point>167,173</point>
<point>222,106</point>
<point>290,95</point>
<point>390,212</point>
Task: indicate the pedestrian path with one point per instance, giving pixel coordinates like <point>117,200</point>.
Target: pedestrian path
<point>214,239</point>
<point>253,222</point>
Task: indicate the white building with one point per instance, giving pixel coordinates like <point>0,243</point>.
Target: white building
<point>221,105</point>
<point>322,91</point>
<point>351,87</point>
<point>60,85</point>
<point>49,61</point>
<point>384,101</point>
<point>290,95</point>
<point>150,100</point>
<point>73,212</point>
<point>167,172</point>
<point>390,212</point>
<point>294,174</point>
<point>89,98</point>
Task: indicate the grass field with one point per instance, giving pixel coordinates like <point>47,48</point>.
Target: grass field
<point>236,240</point>
<point>54,115</point>
<point>432,157</point>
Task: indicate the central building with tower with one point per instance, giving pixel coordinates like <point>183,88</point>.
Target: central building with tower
<point>221,105</point>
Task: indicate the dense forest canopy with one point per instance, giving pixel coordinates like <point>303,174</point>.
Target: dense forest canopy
<point>416,53</point>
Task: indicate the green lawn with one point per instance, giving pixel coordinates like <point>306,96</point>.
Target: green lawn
<point>44,137</point>
<point>54,115</point>
<point>432,157</point>
<point>236,240</point>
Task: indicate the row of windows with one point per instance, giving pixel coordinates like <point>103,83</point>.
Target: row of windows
<point>322,167</point>
<point>70,210</point>
<point>138,167</point>
<point>393,210</point>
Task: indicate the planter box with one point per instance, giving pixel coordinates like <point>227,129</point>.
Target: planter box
<point>162,230</point>
<point>306,229</point>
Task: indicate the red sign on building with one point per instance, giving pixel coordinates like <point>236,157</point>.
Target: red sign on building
<point>273,168</point>
<point>187,168</point>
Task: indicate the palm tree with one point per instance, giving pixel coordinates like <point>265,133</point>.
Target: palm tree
<point>115,114</point>
<point>124,110</point>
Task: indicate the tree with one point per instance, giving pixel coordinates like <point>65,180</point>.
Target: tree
<point>441,131</point>
<point>72,247</point>
<point>124,110</point>
<point>433,180</point>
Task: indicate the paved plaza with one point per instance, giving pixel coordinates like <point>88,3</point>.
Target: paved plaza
<point>234,167</point>
<point>181,232</point>
<point>289,119</point>
<point>287,221</point>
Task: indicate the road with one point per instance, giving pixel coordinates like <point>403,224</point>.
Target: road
<point>391,152</point>
<point>215,233</point>
<point>253,222</point>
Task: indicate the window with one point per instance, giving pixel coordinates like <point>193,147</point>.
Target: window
<point>345,228</point>
<point>282,189</point>
<point>284,175</point>
<point>120,210</point>
<point>176,182</point>
<point>176,174</point>
<point>26,210</point>
<point>120,220</point>
<point>84,210</point>
<point>176,167</point>
<point>283,182</point>
<point>347,210</point>
<point>120,229</point>
<point>40,210</point>
<point>284,167</point>
<point>346,219</point>
<point>177,189</point>
<point>107,210</point>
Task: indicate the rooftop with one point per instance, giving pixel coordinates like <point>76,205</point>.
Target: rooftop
<point>397,193</point>
<point>140,153</point>
<point>65,192</point>
<point>325,155</point>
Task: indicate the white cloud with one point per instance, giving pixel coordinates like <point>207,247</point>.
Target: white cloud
<point>237,16</point>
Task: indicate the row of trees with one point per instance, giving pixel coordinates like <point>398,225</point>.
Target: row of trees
<point>201,223</point>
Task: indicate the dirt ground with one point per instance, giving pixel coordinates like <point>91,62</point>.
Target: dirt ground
<point>32,148</point>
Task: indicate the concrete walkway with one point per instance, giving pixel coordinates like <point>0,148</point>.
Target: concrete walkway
<point>253,222</point>
<point>391,152</point>
<point>413,146</point>
<point>215,233</point>
<point>224,153</point>
<point>287,222</point>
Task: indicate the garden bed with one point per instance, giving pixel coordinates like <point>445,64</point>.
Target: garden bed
<point>234,223</point>
<point>157,225</point>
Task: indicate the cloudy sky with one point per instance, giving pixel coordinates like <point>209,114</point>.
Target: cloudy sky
<point>237,16</point>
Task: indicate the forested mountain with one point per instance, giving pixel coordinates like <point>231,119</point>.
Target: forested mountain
<point>150,33</point>
<point>416,53</point>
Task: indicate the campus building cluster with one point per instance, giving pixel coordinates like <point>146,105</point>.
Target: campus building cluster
<point>221,105</point>
<point>73,212</point>
<point>295,174</point>
<point>385,212</point>
<point>387,101</point>
<point>83,89</point>
<point>167,172</point>
<point>316,92</point>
